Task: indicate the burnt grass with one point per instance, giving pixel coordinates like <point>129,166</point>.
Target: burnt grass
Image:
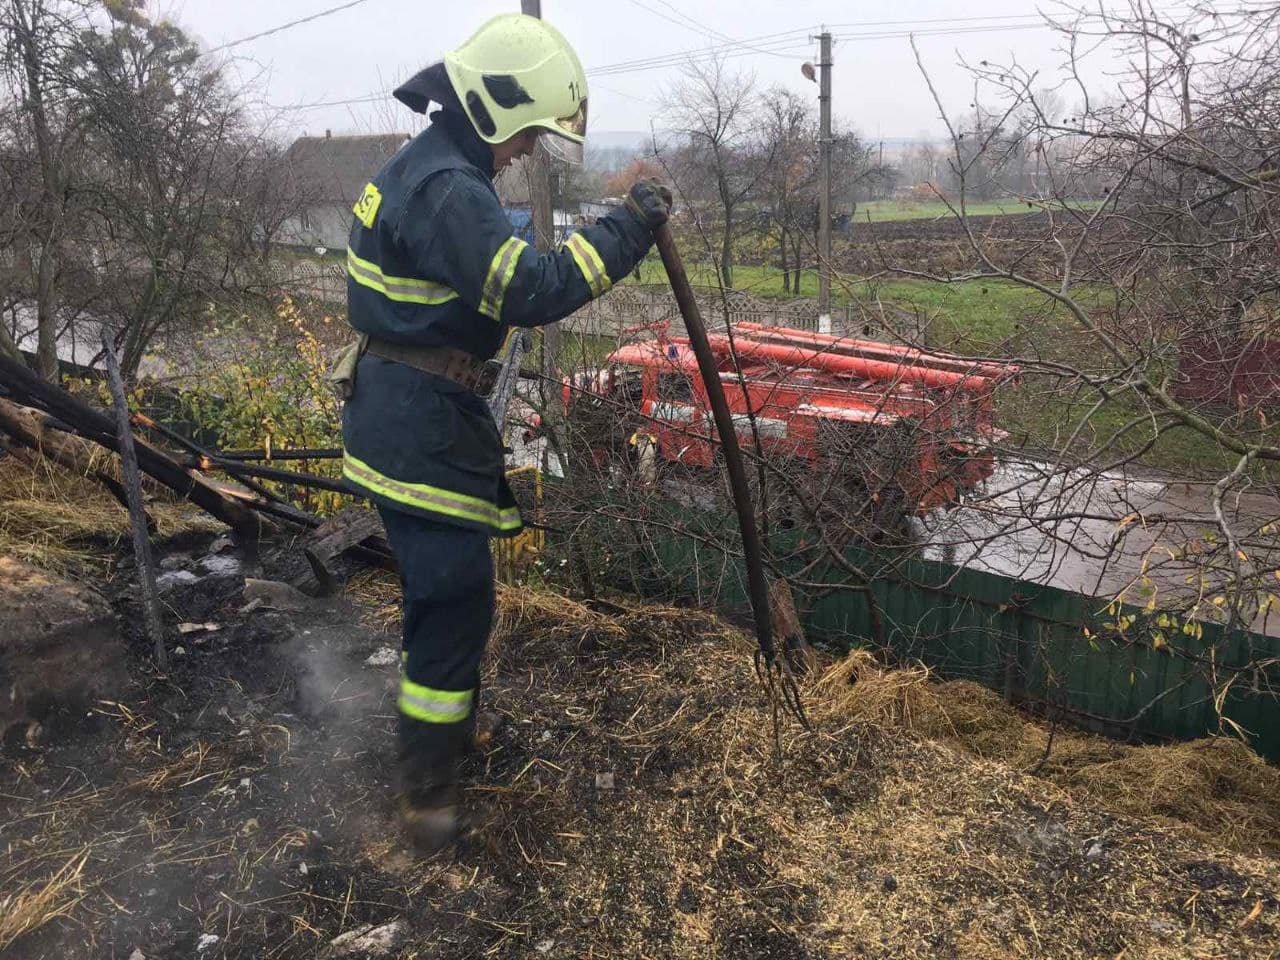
<point>246,795</point>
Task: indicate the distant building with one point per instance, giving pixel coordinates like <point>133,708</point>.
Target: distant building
<point>593,210</point>
<point>330,172</point>
<point>563,222</point>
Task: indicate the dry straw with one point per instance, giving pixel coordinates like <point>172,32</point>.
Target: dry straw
<point>51,518</point>
<point>1216,786</point>
<point>35,903</point>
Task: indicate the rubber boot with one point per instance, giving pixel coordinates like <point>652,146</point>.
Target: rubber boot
<point>428,803</point>
<point>429,817</point>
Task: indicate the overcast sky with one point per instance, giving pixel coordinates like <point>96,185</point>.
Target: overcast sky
<point>362,51</point>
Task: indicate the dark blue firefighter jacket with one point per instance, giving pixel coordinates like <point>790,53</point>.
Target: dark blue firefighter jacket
<point>432,261</point>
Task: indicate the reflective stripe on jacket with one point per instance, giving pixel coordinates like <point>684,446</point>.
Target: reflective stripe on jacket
<point>432,261</point>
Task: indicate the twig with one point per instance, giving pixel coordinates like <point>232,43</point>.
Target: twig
<point>142,420</point>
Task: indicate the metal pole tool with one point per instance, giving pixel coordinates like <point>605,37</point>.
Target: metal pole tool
<point>774,669</point>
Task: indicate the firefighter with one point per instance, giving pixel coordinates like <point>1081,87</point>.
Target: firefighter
<point>435,279</point>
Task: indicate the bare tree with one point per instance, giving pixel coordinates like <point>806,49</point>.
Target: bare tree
<point>174,159</point>
<point>788,187</point>
<point>138,194</point>
<point>715,127</point>
<point>921,164</point>
<point>268,196</point>
<point>1145,466</point>
<point>45,132</point>
<point>788,190</point>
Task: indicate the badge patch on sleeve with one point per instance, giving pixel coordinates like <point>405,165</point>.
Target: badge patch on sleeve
<point>366,208</point>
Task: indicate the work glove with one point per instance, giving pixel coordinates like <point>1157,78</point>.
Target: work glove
<point>650,202</point>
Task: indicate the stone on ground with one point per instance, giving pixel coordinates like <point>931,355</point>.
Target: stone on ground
<point>367,941</point>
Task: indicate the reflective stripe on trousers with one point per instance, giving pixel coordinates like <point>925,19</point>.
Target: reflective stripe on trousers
<point>423,496</point>
<point>431,705</point>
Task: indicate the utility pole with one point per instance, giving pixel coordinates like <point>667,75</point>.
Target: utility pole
<point>824,185</point>
<point>538,170</point>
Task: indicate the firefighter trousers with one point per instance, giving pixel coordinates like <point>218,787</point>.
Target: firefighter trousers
<point>446,576</point>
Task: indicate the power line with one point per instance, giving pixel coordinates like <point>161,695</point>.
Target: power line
<point>286,26</point>
<point>697,23</point>
<point>298,107</point>
<point>943,32</point>
<point>785,44</point>
<point>691,23</point>
<point>629,96</point>
<point>797,45</point>
<point>776,44</point>
<point>766,40</point>
<point>375,97</point>
<point>779,43</point>
<point>1040,17</point>
<point>926,20</point>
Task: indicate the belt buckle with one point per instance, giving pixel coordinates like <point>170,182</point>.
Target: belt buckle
<point>486,375</point>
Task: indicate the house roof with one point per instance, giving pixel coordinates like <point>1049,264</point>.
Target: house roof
<point>335,169</point>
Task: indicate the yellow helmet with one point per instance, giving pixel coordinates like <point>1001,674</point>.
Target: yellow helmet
<point>515,72</point>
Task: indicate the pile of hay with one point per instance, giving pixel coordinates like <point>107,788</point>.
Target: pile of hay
<point>1217,787</point>
<point>59,521</point>
<point>860,688</point>
<point>36,903</point>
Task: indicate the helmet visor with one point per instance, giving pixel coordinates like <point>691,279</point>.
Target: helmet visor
<point>567,134</point>
<point>569,151</point>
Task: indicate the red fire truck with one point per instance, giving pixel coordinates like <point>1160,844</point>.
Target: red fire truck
<point>904,428</point>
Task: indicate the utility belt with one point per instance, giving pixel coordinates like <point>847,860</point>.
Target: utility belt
<point>464,369</point>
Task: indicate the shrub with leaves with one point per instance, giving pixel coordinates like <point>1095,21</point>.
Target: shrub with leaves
<point>265,388</point>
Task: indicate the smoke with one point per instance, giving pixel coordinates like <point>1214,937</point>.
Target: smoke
<point>333,682</point>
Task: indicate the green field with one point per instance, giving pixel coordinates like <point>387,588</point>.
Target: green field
<point>878,211</point>
<point>971,317</point>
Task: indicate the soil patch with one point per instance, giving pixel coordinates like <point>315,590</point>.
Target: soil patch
<point>633,805</point>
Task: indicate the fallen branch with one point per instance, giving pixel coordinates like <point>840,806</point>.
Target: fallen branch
<point>66,430</point>
<point>240,471</point>
<point>31,428</point>
<point>322,453</point>
<point>95,425</point>
<point>142,420</point>
<point>337,535</point>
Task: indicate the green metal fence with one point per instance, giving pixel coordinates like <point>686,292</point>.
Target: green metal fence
<point>1025,640</point>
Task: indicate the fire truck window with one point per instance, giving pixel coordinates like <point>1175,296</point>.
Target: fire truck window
<point>674,386</point>
<point>629,385</point>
